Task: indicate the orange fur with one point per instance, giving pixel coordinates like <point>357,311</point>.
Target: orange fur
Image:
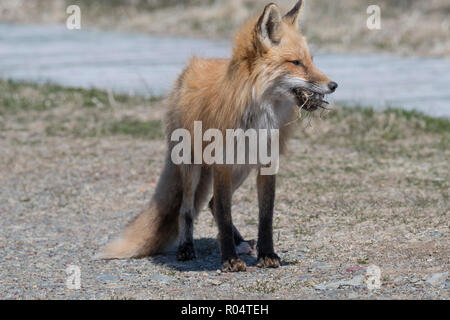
<point>216,91</point>
<point>222,93</point>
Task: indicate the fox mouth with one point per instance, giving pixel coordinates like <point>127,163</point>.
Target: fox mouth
<point>309,100</point>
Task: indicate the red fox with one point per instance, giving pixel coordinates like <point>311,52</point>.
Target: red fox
<point>267,76</point>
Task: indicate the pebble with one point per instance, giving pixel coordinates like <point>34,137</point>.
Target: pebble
<point>398,280</point>
<point>106,277</point>
<point>356,281</point>
<point>162,278</point>
<point>437,278</point>
<point>216,282</point>
<point>415,279</point>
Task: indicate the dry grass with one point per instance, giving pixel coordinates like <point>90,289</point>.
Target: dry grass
<point>355,188</point>
<point>409,27</point>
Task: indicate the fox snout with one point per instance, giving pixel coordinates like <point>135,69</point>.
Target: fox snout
<point>321,88</point>
<point>332,86</point>
<point>311,96</point>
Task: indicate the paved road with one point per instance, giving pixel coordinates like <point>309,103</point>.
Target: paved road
<point>147,64</point>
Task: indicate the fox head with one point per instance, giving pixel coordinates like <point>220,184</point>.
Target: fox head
<point>277,55</point>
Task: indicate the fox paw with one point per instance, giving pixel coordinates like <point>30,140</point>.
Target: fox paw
<point>234,265</point>
<point>186,252</point>
<point>271,260</point>
<point>246,247</point>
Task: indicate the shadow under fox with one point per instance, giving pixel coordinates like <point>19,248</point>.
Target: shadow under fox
<point>270,74</point>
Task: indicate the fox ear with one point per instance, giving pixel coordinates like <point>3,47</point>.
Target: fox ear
<point>268,28</point>
<point>293,16</point>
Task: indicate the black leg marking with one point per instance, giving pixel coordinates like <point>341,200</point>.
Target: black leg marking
<point>242,246</point>
<point>266,197</point>
<point>222,213</point>
<point>191,177</point>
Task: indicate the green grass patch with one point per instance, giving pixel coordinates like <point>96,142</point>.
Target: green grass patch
<point>94,112</point>
<point>379,133</point>
<point>392,121</point>
<point>134,128</point>
<point>422,121</point>
<point>106,127</point>
<point>17,96</point>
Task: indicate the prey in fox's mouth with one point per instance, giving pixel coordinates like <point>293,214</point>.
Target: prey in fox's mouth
<point>309,100</point>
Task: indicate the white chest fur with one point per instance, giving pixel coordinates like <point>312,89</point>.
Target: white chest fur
<point>272,112</point>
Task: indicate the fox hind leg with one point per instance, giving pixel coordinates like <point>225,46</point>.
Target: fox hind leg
<point>191,178</point>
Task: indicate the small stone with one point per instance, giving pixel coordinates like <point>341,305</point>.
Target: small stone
<point>437,278</point>
<point>162,278</point>
<point>354,269</point>
<point>434,234</point>
<point>398,280</point>
<point>353,295</point>
<point>323,266</point>
<point>356,281</point>
<point>106,277</point>
<point>216,282</point>
<point>321,287</point>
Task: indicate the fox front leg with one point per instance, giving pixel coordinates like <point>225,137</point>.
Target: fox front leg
<point>242,246</point>
<point>267,258</point>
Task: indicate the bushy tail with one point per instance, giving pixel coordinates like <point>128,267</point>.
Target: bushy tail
<point>156,228</point>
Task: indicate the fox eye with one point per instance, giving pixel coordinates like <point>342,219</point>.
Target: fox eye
<point>298,63</point>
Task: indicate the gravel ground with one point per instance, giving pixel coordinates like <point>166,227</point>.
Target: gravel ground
<point>341,207</point>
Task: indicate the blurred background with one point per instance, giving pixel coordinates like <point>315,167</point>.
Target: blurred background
<point>409,27</point>
<point>139,46</point>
